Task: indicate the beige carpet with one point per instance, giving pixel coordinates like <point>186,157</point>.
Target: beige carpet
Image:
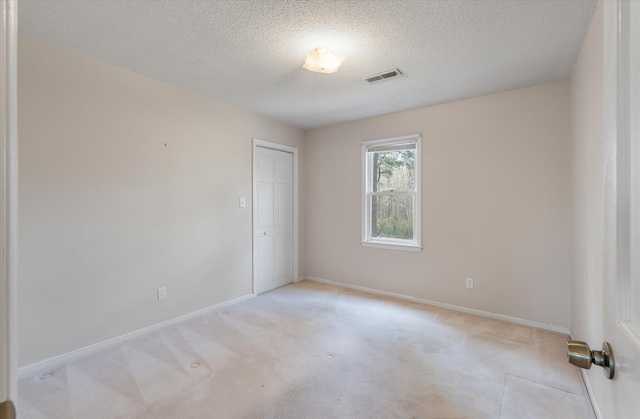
<point>311,350</point>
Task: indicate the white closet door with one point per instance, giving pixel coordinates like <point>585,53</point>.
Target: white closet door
<point>264,230</point>
<point>273,229</point>
<point>284,218</point>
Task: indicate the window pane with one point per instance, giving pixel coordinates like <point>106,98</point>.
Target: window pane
<point>392,216</point>
<point>393,170</point>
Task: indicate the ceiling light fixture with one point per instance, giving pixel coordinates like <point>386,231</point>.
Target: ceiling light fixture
<point>321,60</point>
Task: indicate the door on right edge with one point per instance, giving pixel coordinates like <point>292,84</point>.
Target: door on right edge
<point>620,397</point>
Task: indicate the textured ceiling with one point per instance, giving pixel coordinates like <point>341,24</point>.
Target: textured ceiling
<point>250,53</point>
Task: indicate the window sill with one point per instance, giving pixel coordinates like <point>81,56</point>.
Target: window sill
<point>393,246</point>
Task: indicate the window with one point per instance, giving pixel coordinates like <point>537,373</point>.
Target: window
<point>391,193</point>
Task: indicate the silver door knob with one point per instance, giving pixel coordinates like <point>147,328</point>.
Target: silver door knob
<point>582,356</point>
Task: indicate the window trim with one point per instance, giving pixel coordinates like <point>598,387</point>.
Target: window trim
<point>389,243</point>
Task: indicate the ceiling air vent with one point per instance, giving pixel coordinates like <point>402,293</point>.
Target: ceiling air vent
<point>385,75</point>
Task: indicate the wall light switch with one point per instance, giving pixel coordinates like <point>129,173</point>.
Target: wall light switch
<point>243,202</point>
<point>162,293</point>
<point>469,282</point>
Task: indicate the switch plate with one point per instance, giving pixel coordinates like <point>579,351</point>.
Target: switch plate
<point>162,293</point>
<point>469,282</point>
<point>243,202</point>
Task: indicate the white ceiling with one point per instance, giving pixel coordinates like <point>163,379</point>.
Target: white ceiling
<point>250,53</point>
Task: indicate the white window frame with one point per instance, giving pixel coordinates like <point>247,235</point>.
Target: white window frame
<point>414,245</point>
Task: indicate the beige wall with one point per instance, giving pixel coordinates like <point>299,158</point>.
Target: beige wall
<point>496,205</point>
<point>108,212</point>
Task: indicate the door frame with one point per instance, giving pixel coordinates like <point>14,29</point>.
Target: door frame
<point>289,149</point>
<point>8,200</point>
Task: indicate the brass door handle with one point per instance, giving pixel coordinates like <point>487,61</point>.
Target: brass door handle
<point>582,356</point>
<point>7,410</point>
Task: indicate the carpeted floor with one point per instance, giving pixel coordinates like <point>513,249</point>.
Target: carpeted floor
<point>311,350</point>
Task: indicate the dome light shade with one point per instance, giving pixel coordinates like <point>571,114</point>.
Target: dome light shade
<point>321,60</point>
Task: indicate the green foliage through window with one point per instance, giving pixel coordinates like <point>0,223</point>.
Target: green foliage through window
<point>392,215</point>
<point>394,170</point>
<point>397,229</point>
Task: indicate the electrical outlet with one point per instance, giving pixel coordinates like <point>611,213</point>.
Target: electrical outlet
<point>243,202</point>
<point>469,282</point>
<point>162,293</point>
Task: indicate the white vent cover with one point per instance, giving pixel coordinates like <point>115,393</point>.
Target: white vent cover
<point>385,75</point>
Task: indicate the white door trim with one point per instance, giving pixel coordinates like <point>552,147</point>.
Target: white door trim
<point>293,150</point>
<point>621,170</point>
<point>622,136</point>
<point>8,200</point>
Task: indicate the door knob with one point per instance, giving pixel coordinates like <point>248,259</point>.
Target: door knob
<point>582,356</point>
<point>7,410</point>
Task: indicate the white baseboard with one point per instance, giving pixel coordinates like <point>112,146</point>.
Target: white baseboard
<point>592,397</point>
<point>481,313</point>
<point>587,385</point>
<point>87,350</point>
